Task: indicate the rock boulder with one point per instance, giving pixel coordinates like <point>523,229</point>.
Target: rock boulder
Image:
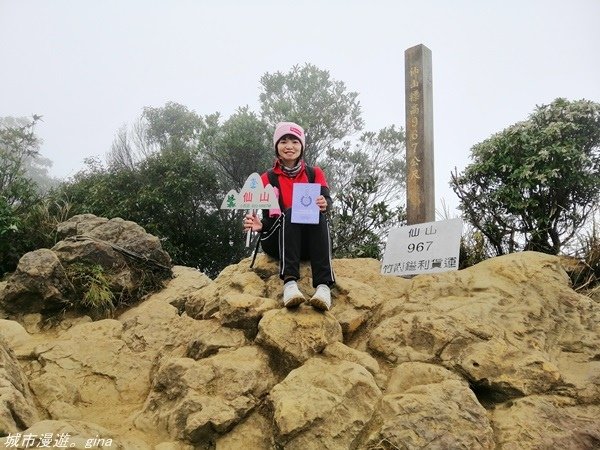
<point>501,355</point>
<point>99,264</point>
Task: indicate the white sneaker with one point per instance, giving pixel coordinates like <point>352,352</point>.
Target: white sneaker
<point>322,298</point>
<point>292,295</point>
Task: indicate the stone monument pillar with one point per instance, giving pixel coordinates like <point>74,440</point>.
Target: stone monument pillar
<point>420,184</point>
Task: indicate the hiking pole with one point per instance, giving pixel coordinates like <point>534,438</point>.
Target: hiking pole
<point>249,234</point>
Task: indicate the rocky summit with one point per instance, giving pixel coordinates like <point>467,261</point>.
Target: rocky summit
<point>503,355</point>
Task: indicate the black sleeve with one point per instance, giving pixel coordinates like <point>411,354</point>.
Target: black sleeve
<point>267,222</point>
<point>325,193</point>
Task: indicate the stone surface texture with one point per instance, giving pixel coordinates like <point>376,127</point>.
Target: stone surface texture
<point>503,355</point>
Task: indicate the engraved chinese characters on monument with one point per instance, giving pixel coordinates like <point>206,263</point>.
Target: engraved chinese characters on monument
<point>420,189</point>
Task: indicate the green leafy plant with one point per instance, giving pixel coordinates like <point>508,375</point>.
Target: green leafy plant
<point>473,248</point>
<point>534,185</point>
<point>309,96</point>
<point>368,185</point>
<point>359,224</point>
<point>586,278</point>
<point>92,291</point>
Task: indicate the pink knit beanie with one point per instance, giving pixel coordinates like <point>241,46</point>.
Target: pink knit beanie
<point>292,128</point>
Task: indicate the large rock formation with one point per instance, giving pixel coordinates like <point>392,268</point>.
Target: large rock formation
<point>115,257</point>
<point>501,355</point>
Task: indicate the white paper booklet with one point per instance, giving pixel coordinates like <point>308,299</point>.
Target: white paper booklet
<point>304,206</point>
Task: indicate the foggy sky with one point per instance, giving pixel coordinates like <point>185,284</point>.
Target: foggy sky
<point>90,66</point>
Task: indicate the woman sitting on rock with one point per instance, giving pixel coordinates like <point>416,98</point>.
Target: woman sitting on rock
<point>291,242</point>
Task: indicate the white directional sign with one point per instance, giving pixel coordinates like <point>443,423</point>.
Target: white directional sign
<point>252,196</point>
<point>423,248</point>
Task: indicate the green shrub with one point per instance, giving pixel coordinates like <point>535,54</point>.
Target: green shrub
<point>587,277</point>
<point>473,249</point>
<point>92,291</point>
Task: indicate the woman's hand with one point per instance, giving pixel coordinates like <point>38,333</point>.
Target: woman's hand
<point>321,203</point>
<point>252,222</point>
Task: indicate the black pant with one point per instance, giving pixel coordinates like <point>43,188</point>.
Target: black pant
<point>291,243</point>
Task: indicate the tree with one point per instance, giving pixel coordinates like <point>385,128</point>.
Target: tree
<point>108,192</point>
<point>131,145</point>
<point>160,128</point>
<point>369,180</point>
<point>180,202</point>
<point>36,169</point>
<point>172,125</point>
<point>308,96</point>
<point>25,223</point>
<point>533,185</point>
<point>18,144</point>
<point>237,148</point>
<point>173,190</point>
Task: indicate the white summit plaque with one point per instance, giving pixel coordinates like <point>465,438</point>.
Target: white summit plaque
<point>423,248</point>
